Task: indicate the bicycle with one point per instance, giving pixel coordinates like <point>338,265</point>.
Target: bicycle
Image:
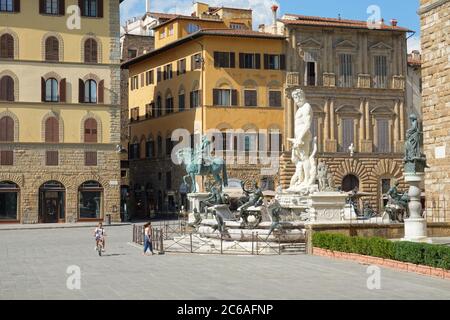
<point>100,246</point>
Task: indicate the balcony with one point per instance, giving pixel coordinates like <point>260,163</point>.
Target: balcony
<point>398,82</point>
<point>363,80</point>
<point>293,79</point>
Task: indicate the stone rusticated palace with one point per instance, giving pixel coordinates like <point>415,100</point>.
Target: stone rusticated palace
<point>354,78</point>
<point>59,111</point>
<point>435,33</point>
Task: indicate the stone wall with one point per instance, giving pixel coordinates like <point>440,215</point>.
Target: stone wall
<point>435,31</point>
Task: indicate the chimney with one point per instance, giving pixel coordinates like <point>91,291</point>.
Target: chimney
<point>262,28</point>
<point>147,6</point>
<point>394,22</point>
<point>274,11</point>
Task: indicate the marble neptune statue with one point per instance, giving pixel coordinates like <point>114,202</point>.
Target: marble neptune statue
<point>304,147</point>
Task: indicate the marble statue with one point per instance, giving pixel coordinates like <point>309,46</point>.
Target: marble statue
<point>198,162</point>
<point>351,149</point>
<point>302,155</point>
<point>325,178</point>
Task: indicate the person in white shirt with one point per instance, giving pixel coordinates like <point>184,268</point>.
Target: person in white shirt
<point>148,238</point>
<point>99,234</point>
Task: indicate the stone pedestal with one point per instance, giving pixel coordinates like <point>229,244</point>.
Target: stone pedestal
<point>194,203</point>
<point>416,225</point>
<point>327,206</point>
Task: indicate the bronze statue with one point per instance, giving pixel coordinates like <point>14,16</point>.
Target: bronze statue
<point>414,160</point>
<point>397,206</point>
<point>255,199</point>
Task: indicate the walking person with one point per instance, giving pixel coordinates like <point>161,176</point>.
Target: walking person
<point>148,238</point>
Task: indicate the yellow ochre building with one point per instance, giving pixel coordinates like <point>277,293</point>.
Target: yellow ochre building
<point>59,110</point>
<point>208,71</point>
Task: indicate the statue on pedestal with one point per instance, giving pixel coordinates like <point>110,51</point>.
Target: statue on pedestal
<point>302,155</point>
<point>325,178</point>
<point>255,200</point>
<point>397,206</point>
<point>415,161</point>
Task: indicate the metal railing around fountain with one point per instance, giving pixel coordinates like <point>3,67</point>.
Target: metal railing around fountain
<point>180,238</point>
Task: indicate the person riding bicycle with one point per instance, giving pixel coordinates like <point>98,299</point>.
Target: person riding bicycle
<point>99,234</point>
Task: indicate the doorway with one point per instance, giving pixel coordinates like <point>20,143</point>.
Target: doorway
<point>52,202</point>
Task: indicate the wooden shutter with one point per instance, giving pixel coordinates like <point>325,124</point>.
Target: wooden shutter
<point>42,89</point>
<point>6,89</point>
<point>82,9</point>
<point>51,158</point>
<point>7,46</point>
<point>90,158</point>
<point>87,50</point>
<point>241,60</point>
<point>62,7</point>
<point>101,91</point>
<point>62,90</point>
<point>215,97</point>
<point>266,61</point>
<point>6,129</point>
<point>90,131</point>
<point>257,61</point>
<point>234,97</point>
<point>191,99</point>
<point>41,6</point>
<point>6,158</point>
<point>282,62</point>
<point>94,53</point>
<point>52,130</point>
<point>216,59</point>
<point>100,9</point>
<point>16,5</point>
<point>232,60</point>
<point>80,91</point>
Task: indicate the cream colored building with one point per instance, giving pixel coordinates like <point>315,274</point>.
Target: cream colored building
<point>59,111</point>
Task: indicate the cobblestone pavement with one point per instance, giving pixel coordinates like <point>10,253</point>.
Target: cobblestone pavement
<point>33,265</point>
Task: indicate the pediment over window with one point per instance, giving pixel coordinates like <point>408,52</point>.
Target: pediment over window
<point>347,109</point>
<point>382,111</point>
<point>380,46</point>
<point>346,44</point>
<point>310,43</point>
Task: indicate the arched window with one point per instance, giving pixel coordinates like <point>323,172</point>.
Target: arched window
<point>6,129</point>
<point>160,146</point>
<point>6,89</point>
<point>90,91</point>
<point>52,49</point>
<point>90,51</point>
<point>159,106</point>
<point>90,131</point>
<point>51,90</point>
<point>90,206</point>
<point>52,130</point>
<point>169,103</point>
<point>350,182</point>
<point>7,46</point>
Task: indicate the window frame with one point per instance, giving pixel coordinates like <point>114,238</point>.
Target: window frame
<point>273,105</point>
<point>88,97</point>
<point>53,89</point>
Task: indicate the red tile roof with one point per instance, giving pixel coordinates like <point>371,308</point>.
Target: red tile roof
<point>240,32</point>
<point>334,22</point>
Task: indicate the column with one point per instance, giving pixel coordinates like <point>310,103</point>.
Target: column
<point>368,136</point>
<point>326,125</point>
<point>362,132</point>
<point>396,126</point>
<point>332,120</point>
<point>402,121</point>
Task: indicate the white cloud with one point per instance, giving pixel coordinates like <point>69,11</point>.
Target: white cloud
<point>261,8</point>
<point>414,44</point>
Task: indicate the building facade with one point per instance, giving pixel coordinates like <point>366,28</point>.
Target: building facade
<point>353,75</point>
<point>435,40</point>
<point>59,111</point>
<point>206,73</point>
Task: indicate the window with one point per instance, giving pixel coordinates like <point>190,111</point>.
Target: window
<point>311,74</point>
<point>6,129</point>
<point>7,5</point>
<point>90,158</point>
<point>196,61</point>
<point>171,30</point>
<point>249,61</point>
<point>195,99</point>
<point>90,91</point>
<point>224,97</point>
<point>9,194</point>
<point>51,90</point>
<point>149,77</point>
<point>134,151</point>
<point>181,66</point>
<point>251,98</point>
<point>383,136</point>
<point>51,158</point>
<point>51,49</point>
<point>132,53</point>
<point>7,46</point>
<point>90,51</point>
<point>149,110</point>
<point>181,102</point>
<point>345,71</point>
<point>349,183</point>
<point>158,75</point>
<point>160,146</point>
<point>385,186</point>
<point>91,8</point>
<point>274,62</point>
<point>169,146</point>
<point>52,130</point>
<point>348,134</point>
<point>52,6</point>
<point>380,66</point>
<point>158,106</point>
<point>6,89</point>
<point>150,149</point>
<point>169,105</point>
<point>224,59</point>
<point>135,114</point>
<point>191,28</point>
<point>237,26</point>
<point>168,180</point>
<point>274,98</point>
<point>91,200</point>
<point>168,72</point>
<point>90,131</point>
<point>134,82</point>
<point>162,33</point>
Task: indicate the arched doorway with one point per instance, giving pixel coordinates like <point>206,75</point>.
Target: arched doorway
<point>9,197</point>
<point>52,202</point>
<point>350,182</point>
<point>90,195</point>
